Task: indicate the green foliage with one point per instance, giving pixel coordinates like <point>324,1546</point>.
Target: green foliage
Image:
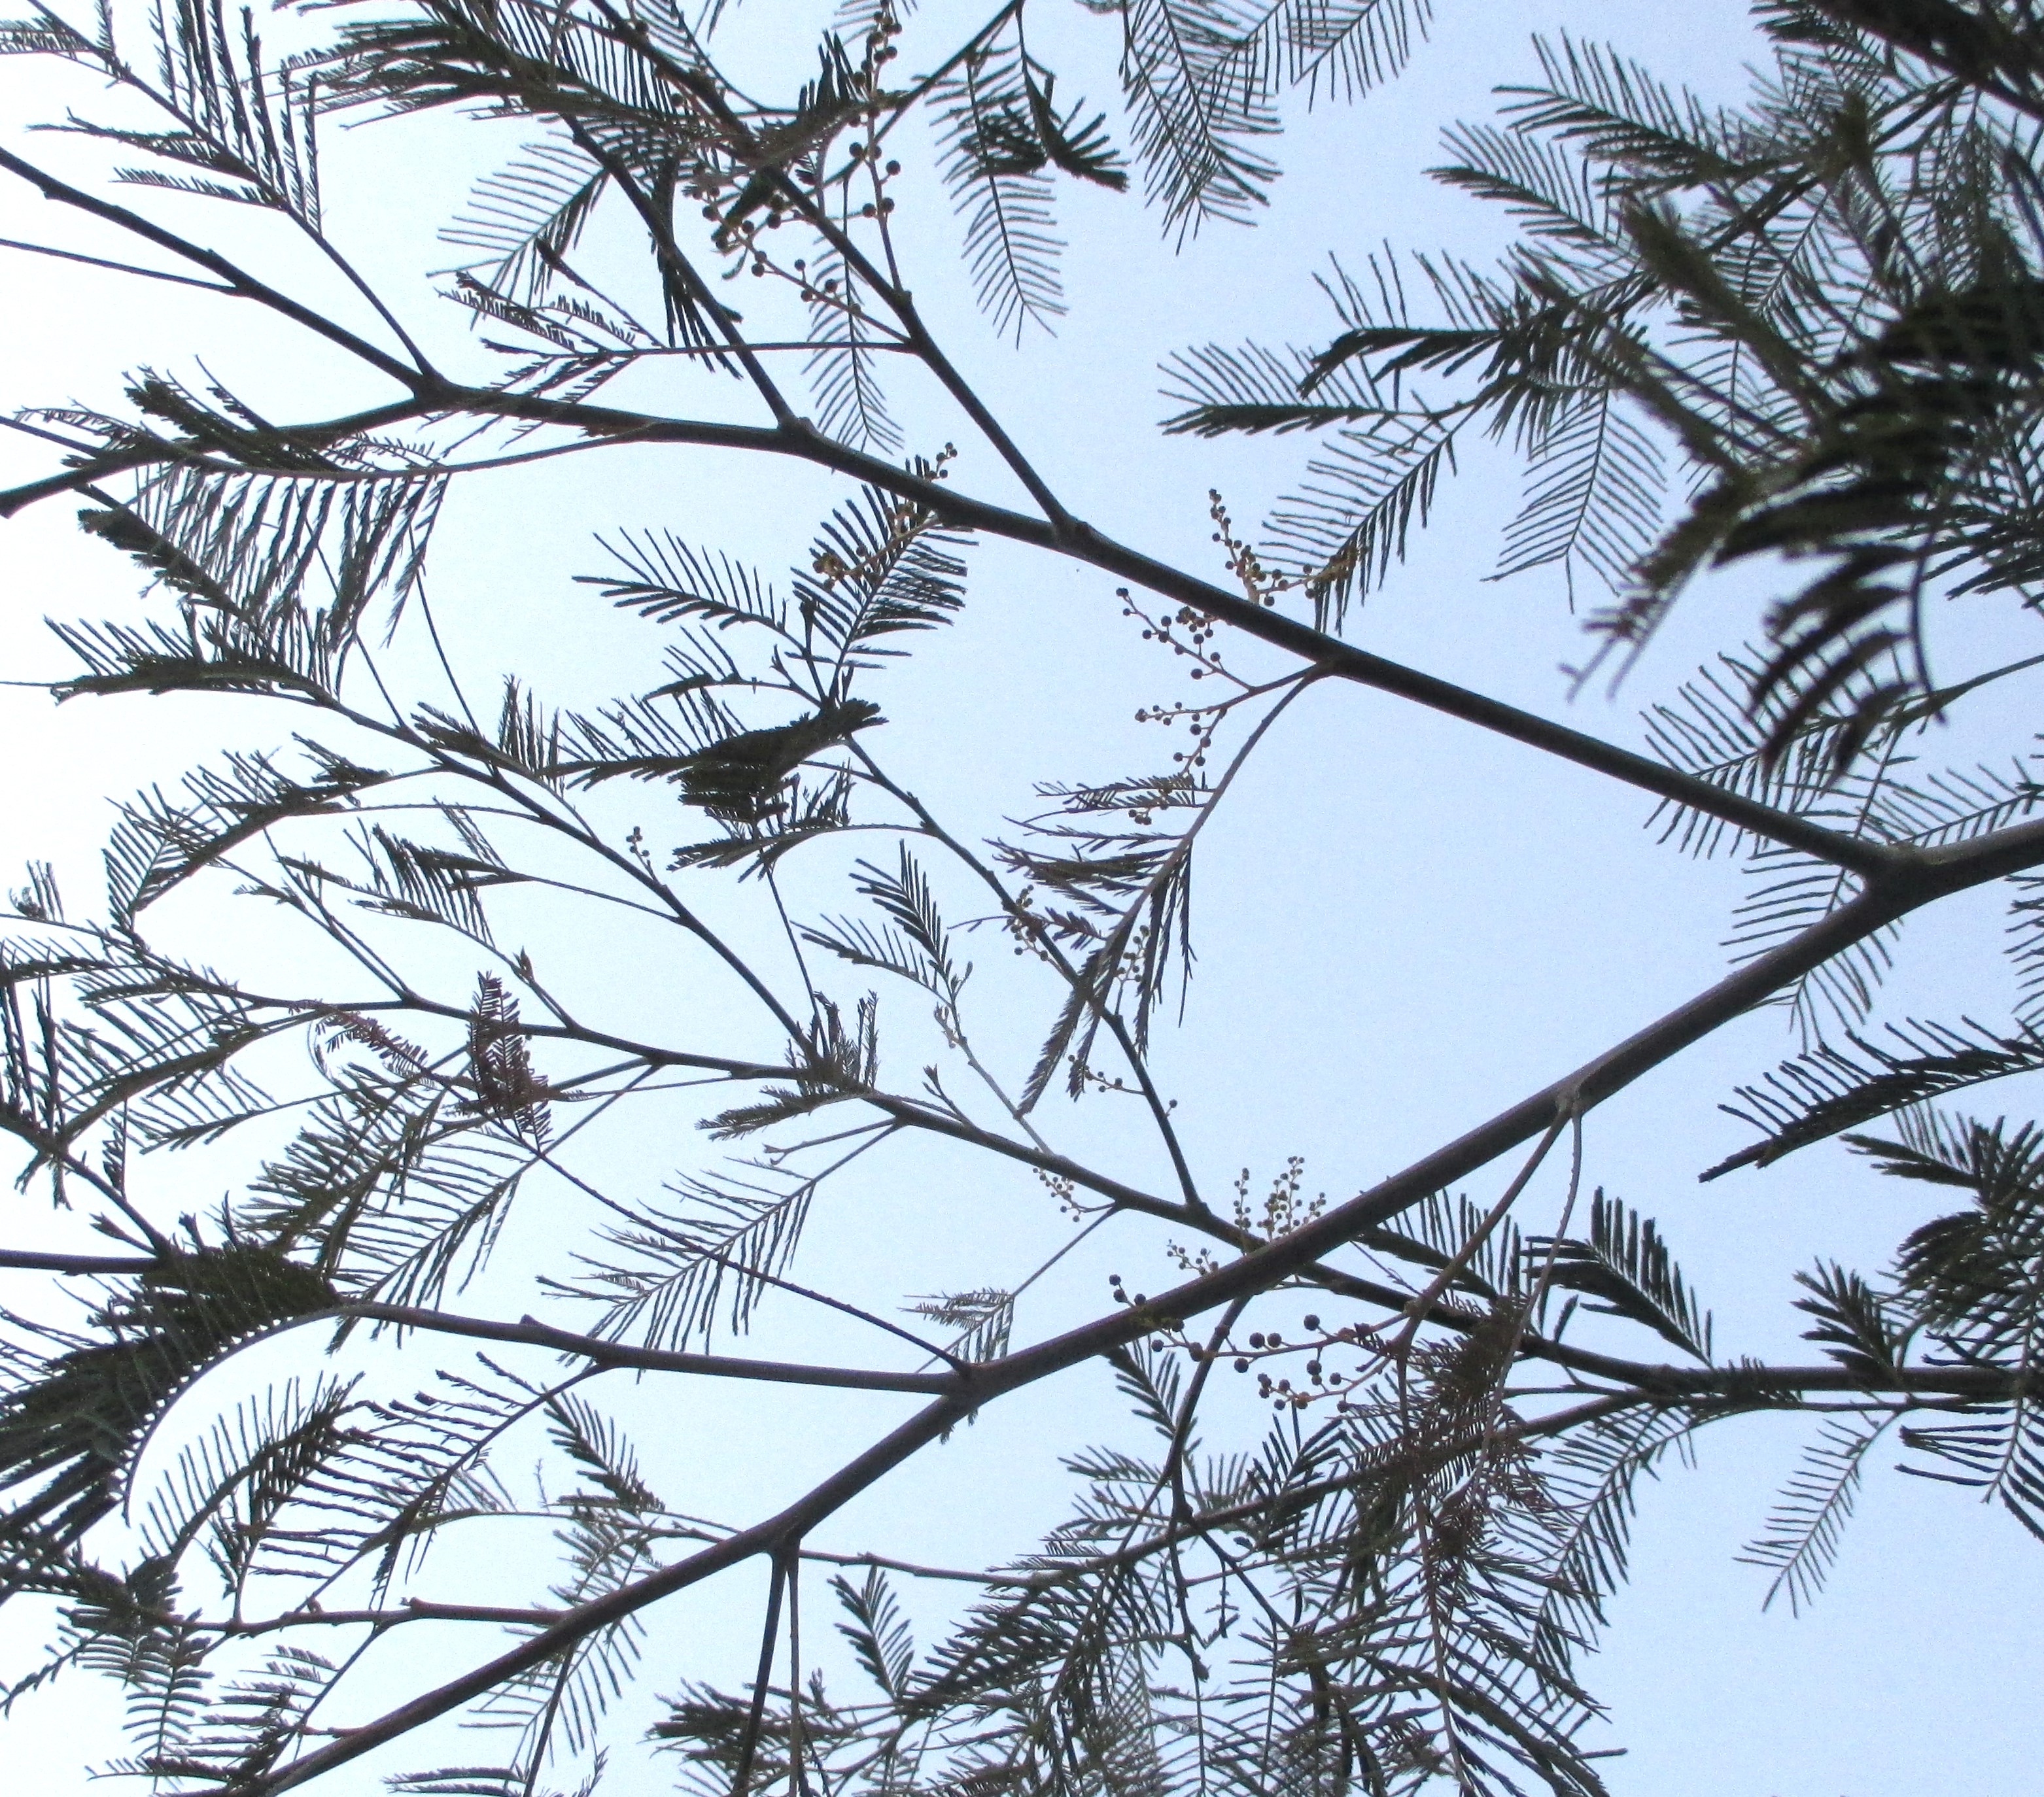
<point>1802,336</point>
<point>1832,326</point>
<point>1436,1234</point>
<point>1854,1321</point>
<point>1970,1282</point>
<point>879,1633</point>
<point>913,942</point>
<point>832,1061</point>
<point>1803,1532</point>
<point>995,159</point>
<point>1707,732</point>
<point>248,130</point>
<point>79,1406</point>
<point>722,1246</point>
<point>1624,1268</point>
<point>1965,1285</point>
<point>527,217</point>
<point>160,843</point>
<point>1832,1089</point>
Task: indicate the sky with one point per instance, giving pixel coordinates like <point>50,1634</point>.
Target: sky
<point>1402,925</point>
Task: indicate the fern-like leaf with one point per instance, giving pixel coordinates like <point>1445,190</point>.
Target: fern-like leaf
<point>1801,1542</point>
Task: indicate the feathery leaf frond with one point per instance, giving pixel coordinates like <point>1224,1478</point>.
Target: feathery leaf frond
<point>1624,1267</point>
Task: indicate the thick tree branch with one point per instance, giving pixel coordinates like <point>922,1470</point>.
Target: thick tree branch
<point>1081,542</point>
<point>1290,1254</point>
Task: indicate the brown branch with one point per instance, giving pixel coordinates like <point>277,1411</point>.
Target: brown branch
<point>798,438</point>
<point>910,1568</point>
<point>1081,542</point>
<point>412,1609</point>
<point>120,460</point>
<point>1258,1271</point>
<point>927,350</point>
<point>770,1635</point>
<point>26,1260</point>
<point>118,267</point>
<point>602,1352</point>
<point>245,285</point>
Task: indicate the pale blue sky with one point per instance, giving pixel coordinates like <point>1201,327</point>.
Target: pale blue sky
<point>1402,925</point>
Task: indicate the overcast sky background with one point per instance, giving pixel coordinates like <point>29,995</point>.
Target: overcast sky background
<point>1402,925</point>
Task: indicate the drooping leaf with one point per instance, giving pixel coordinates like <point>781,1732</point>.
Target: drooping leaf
<point>77,1406</point>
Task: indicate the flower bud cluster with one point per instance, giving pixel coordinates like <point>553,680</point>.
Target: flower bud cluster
<point>1317,1382</point>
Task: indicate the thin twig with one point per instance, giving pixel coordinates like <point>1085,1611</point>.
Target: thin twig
<point>741,1778</point>
<point>532,1332</point>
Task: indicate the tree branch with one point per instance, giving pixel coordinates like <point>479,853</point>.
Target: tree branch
<point>120,461</point>
<point>1078,541</point>
<point>245,285</point>
<point>1258,1271</point>
<point>595,1348</point>
<point>118,267</point>
<point>1081,542</point>
<point>25,1260</point>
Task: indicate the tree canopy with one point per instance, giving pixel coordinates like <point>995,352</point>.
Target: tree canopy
<point>391,1150</point>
